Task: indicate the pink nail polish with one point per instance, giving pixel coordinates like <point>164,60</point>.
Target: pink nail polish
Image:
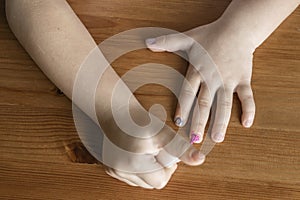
<point>194,138</point>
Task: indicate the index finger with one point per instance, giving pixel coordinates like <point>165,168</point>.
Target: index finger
<point>177,148</point>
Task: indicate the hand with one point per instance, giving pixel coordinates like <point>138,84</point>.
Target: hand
<point>157,156</point>
<point>158,178</point>
<point>150,169</point>
<point>230,71</point>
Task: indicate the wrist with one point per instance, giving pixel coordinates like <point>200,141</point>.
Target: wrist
<point>237,33</point>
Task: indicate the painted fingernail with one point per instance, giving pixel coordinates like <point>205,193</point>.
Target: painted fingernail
<point>218,137</point>
<point>195,138</point>
<point>248,123</point>
<point>150,41</point>
<point>178,121</point>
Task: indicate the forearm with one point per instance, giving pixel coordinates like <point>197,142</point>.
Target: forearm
<point>255,20</point>
<point>59,43</point>
<point>53,36</point>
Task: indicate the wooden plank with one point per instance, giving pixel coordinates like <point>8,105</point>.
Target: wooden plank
<point>41,156</point>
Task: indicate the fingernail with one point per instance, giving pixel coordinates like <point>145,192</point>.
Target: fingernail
<point>198,155</point>
<point>195,138</point>
<point>178,121</point>
<point>248,123</point>
<point>218,137</point>
<point>150,41</point>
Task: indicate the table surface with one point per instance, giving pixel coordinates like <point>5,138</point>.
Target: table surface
<point>41,156</point>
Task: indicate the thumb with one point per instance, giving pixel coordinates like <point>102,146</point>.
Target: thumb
<point>193,157</point>
<point>170,43</point>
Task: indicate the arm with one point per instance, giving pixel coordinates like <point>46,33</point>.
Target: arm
<point>55,39</point>
<point>256,20</point>
<point>58,42</point>
<point>229,42</point>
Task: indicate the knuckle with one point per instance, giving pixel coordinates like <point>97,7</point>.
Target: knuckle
<point>163,39</point>
<point>248,98</point>
<point>188,91</point>
<point>226,104</point>
<point>204,103</point>
<point>193,76</point>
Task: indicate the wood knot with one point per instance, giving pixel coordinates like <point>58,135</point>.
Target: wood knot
<point>59,92</point>
<point>79,154</point>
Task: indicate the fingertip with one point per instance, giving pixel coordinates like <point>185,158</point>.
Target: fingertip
<point>218,137</point>
<point>247,119</point>
<point>198,157</point>
<point>245,94</point>
<point>195,138</point>
<point>151,43</point>
<point>247,123</point>
<point>193,157</point>
<point>178,121</point>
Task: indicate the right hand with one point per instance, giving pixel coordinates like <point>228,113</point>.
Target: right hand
<point>157,160</point>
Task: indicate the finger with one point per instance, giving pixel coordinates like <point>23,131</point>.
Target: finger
<point>193,157</point>
<point>223,112</point>
<point>111,173</point>
<point>248,105</point>
<point>201,114</point>
<point>131,179</point>
<point>171,43</point>
<point>178,148</point>
<point>159,179</point>
<point>129,162</point>
<point>166,159</point>
<point>187,96</point>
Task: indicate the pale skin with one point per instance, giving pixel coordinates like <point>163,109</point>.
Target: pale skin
<point>42,27</point>
<point>58,42</point>
<point>231,42</point>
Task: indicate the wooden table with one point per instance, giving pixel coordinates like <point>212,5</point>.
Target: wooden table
<point>41,156</point>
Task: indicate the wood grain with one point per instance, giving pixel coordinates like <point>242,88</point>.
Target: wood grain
<point>41,156</point>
